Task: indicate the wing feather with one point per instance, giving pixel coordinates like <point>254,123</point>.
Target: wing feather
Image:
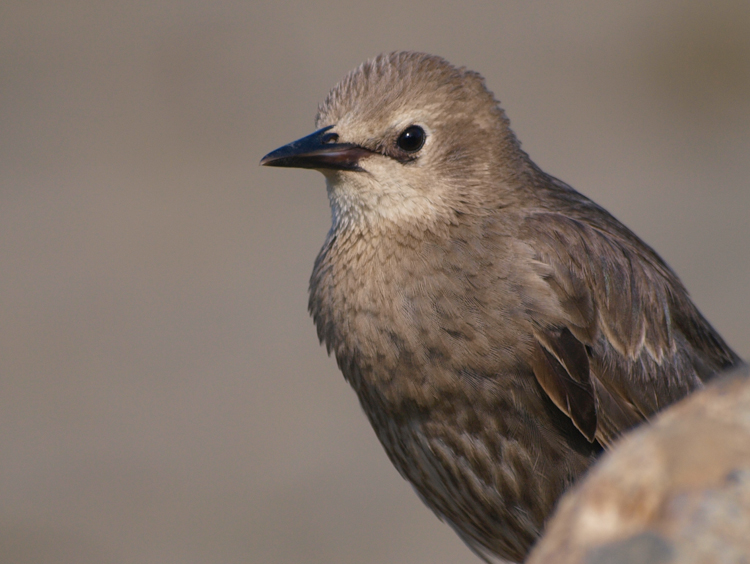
<point>645,343</point>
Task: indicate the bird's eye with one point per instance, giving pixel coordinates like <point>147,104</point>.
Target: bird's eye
<point>411,139</point>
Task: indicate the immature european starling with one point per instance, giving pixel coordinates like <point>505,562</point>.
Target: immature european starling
<point>499,328</point>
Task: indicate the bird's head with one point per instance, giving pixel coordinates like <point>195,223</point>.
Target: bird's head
<point>407,138</point>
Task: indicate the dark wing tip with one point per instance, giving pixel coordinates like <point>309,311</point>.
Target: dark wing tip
<point>561,367</point>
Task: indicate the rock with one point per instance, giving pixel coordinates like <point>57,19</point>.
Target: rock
<point>674,491</point>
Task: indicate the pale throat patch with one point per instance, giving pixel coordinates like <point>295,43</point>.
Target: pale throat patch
<point>378,202</point>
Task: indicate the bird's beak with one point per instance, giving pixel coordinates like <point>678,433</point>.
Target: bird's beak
<point>319,152</point>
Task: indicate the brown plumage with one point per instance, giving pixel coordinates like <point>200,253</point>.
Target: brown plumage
<point>498,327</point>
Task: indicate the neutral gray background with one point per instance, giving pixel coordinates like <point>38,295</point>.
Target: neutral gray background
<point>163,397</point>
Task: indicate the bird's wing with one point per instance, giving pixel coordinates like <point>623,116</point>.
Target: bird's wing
<point>627,340</point>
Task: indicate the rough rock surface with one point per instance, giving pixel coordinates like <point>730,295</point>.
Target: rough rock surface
<point>675,491</point>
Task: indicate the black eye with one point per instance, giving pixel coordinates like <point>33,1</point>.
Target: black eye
<point>411,139</point>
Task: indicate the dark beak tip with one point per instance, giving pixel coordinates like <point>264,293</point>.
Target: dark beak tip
<point>276,157</point>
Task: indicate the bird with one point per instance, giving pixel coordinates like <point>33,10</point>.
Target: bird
<point>500,329</point>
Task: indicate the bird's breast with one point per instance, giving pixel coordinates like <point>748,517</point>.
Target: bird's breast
<point>416,323</point>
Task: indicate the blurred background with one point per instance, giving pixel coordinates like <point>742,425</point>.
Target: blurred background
<point>163,397</point>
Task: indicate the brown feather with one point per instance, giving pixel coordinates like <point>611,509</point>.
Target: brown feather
<point>497,326</point>
<point>561,366</point>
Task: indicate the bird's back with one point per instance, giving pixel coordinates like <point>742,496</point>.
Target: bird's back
<point>646,343</point>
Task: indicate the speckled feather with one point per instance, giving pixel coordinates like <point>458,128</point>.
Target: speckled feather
<point>498,327</point>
